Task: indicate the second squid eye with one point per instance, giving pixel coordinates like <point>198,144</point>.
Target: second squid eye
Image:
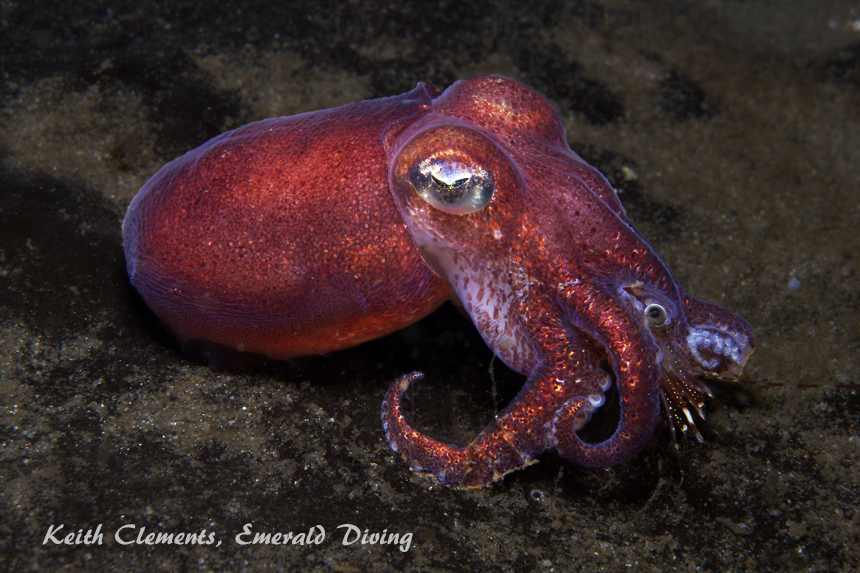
<point>452,186</point>
<point>656,315</point>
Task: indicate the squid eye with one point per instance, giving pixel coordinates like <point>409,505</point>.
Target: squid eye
<point>656,314</point>
<point>451,186</point>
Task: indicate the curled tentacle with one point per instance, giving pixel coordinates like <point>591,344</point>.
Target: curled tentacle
<point>639,403</point>
<point>490,456</point>
<point>635,359</point>
<point>520,432</point>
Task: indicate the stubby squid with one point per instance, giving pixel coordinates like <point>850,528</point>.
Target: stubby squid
<point>317,232</point>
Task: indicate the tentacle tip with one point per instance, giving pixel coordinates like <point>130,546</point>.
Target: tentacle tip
<point>408,379</point>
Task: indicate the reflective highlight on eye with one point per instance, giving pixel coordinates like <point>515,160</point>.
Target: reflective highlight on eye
<point>452,186</point>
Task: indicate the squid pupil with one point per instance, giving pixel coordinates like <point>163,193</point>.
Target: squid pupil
<point>451,186</point>
<point>450,192</point>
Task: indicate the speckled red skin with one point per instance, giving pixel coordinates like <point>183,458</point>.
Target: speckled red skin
<point>280,237</point>
<point>304,235</point>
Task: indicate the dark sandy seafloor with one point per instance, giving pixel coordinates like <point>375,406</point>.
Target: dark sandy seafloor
<point>731,130</point>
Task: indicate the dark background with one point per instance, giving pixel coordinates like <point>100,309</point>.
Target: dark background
<point>730,129</point>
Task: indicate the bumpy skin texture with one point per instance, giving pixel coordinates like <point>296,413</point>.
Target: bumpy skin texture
<point>317,232</point>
